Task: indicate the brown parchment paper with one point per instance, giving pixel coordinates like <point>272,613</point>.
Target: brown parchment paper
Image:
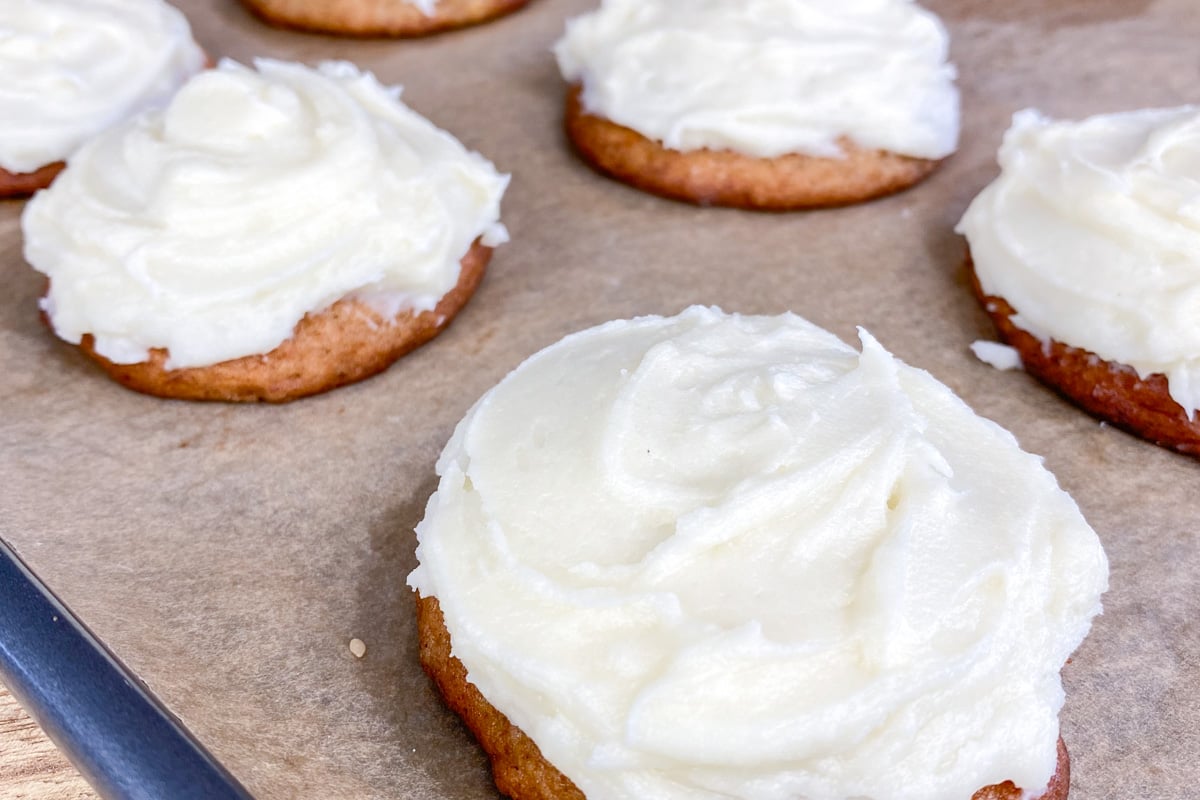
<point>229,554</point>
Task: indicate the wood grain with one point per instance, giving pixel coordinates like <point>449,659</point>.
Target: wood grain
<point>31,768</point>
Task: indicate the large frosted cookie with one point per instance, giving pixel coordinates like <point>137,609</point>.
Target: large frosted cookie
<point>381,17</point>
<point>770,104</point>
<point>71,68</point>
<point>272,233</point>
<point>723,556</point>
<point>1086,254</point>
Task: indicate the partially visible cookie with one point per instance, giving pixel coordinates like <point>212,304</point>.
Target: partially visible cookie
<point>278,232</point>
<point>793,104</point>
<point>1085,251</point>
<point>68,70</point>
<point>727,178</point>
<point>380,17</point>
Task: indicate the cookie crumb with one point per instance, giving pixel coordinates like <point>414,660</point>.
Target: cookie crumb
<point>358,648</point>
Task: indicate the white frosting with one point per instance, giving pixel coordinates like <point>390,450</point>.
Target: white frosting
<point>71,68</point>
<point>997,355</point>
<point>212,227</point>
<point>1092,233</point>
<point>768,77</point>
<point>727,557</point>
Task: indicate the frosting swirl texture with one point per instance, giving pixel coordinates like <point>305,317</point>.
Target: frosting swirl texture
<point>768,77</point>
<point>211,227</point>
<point>1092,233</point>
<point>732,557</point>
<point>71,68</point>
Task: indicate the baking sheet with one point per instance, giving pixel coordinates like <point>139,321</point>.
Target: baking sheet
<point>228,554</point>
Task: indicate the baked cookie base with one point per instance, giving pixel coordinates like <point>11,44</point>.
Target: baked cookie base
<point>725,178</point>
<point>378,17</point>
<point>518,767</point>
<point>20,184</point>
<point>347,342</point>
<point>1109,390</point>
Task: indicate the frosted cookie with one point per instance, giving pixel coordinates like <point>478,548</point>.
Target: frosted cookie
<point>380,17</point>
<point>1086,254</point>
<point>725,556</point>
<point>271,233</point>
<point>764,104</point>
<point>71,68</point>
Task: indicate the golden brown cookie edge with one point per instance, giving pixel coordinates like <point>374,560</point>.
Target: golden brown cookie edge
<point>378,18</point>
<point>1109,390</point>
<point>345,343</point>
<point>518,766</point>
<point>725,178</point>
<point>22,184</point>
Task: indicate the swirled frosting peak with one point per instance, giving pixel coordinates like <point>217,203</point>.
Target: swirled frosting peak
<point>768,77</point>
<point>211,227</point>
<point>1092,233</point>
<point>723,556</point>
<point>71,68</point>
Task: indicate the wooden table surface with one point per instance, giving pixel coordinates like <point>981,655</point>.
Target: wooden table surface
<point>31,768</point>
